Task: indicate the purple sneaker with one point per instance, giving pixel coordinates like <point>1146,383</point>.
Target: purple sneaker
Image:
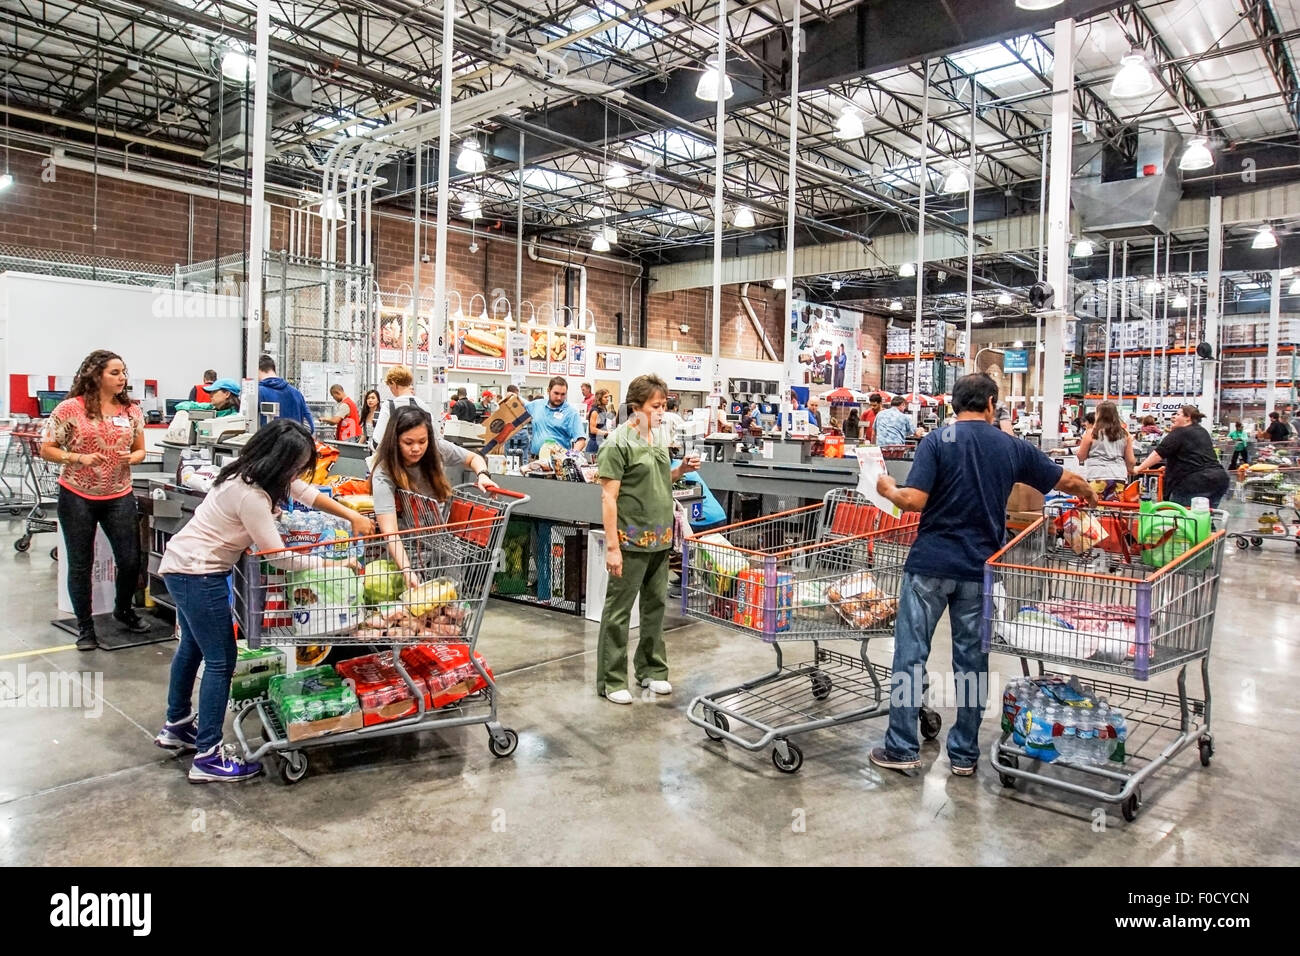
<point>180,735</point>
<point>220,763</point>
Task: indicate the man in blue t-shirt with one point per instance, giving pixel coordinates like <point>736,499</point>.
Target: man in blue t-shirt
<point>893,425</point>
<point>960,482</point>
<point>553,419</point>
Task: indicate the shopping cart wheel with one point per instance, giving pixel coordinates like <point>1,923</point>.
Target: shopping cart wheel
<point>23,543</point>
<point>1242,543</point>
<point>15,511</point>
<point>1206,745</point>
<point>718,720</point>
<point>931,721</point>
<point>503,748</point>
<point>1132,805</point>
<point>39,514</point>
<point>293,766</point>
<point>1256,541</point>
<point>1008,761</point>
<point>821,685</point>
<point>54,554</point>
<point>790,763</point>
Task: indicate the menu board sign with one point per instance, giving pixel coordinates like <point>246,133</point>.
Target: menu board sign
<point>479,345</point>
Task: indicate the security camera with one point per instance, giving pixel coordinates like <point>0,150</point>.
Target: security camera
<point>473,247</point>
<point>426,258</point>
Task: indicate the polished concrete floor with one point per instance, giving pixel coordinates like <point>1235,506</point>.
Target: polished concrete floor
<point>592,782</point>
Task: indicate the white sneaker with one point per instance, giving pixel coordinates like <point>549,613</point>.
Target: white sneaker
<point>658,686</point>
<point>623,696</point>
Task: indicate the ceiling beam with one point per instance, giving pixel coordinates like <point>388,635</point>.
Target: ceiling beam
<point>104,83</point>
<point>1263,22</point>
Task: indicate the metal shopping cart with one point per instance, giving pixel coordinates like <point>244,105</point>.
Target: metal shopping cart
<point>1271,502</point>
<point>822,573</point>
<point>454,563</point>
<point>1139,603</point>
<point>38,485</point>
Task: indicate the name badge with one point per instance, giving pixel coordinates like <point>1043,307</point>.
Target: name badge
<point>121,421</point>
<point>559,416</point>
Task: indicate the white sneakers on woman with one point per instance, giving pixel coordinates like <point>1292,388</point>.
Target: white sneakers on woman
<point>661,687</point>
<point>619,697</point>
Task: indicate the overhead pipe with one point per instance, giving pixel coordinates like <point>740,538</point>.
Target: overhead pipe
<point>102,130</point>
<point>758,326</point>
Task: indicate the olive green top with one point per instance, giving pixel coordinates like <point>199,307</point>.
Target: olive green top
<point>645,497</point>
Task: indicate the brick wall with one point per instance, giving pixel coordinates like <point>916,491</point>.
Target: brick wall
<point>148,224</point>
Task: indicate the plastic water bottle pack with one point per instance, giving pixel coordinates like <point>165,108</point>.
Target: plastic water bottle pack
<point>1053,718</point>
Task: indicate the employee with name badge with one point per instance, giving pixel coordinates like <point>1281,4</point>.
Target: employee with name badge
<point>553,419</point>
<point>96,435</point>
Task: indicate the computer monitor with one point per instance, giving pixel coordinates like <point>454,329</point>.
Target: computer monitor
<point>48,401</point>
<point>169,407</point>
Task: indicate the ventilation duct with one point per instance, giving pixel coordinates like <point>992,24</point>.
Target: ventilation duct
<point>1131,185</point>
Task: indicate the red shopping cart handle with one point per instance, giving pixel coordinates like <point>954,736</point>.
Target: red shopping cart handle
<point>495,490</point>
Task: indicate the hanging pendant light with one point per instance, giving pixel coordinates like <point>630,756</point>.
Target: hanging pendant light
<point>707,88</point>
<point>331,208</point>
<point>836,285</point>
<point>1038,4</point>
<point>1083,249</point>
<point>907,270</point>
<point>1264,239</point>
<point>1153,287</point>
<point>471,158</point>
<point>1196,156</point>
<point>849,125</point>
<point>976,318</point>
<point>1004,298</point>
<point>1179,302</point>
<point>896,305</point>
<point>610,234</point>
<point>616,176</point>
<point>472,209</point>
<point>1134,77</point>
<point>744,218</point>
<point>600,243</point>
<point>956,181</point>
<point>778,282</point>
<point>236,64</point>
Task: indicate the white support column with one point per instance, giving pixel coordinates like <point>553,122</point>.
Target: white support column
<point>969,363</point>
<point>1274,321</point>
<point>1210,370</point>
<point>1058,231</point>
<point>439,334</point>
<point>257,230</point>
<point>789,354</point>
<point>923,181</point>
<point>720,118</point>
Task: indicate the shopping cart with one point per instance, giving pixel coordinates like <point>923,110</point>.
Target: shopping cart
<point>1271,501</point>
<point>454,563</point>
<point>39,485</point>
<point>825,572</point>
<point>1139,603</point>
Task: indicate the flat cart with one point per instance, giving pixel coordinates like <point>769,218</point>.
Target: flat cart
<point>38,487</point>
<point>1139,604</point>
<point>828,572</point>
<point>460,550</point>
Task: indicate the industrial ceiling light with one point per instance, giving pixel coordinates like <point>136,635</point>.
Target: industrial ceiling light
<point>1292,289</point>
<point>1196,156</point>
<point>600,243</point>
<point>236,64</point>
<point>976,318</point>
<point>849,125</point>
<point>331,208</point>
<point>1179,302</point>
<point>1153,287</point>
<point>836,285</point>
<point>906,270</point>
<point>1265,238</point>
<point>1083,249</point>
<point>1038,4</point>
<point>778,282</point>
<point>1004,298</point>
<point>616,176</point>
<point>610,234</point>
<point>6,180</point>
<point>707,88</point>
<point>1018,344</point>
<point>956,181</point>
<point>1134,77</point>
<point>472,209</point>
<point>896,305</point>
<point>471,158</point>
<point>744,218</point>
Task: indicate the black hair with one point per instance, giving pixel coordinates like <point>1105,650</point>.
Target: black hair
<point>389,455</point>
<point>273,458</point>
<point>898,401</point>
<point>266,364</point>
<point>1273,416</point>
<point>973,393</point>
<point>1090,418</point>
<point>210,375</point>
<point>876,397</point>
<point>672,403</point>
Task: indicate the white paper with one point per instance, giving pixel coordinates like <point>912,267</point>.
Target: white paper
<point>37,383</point>
<point>63,383</point>
<point>871,465</point>
<point>137,388</point>
<point>769,449</point>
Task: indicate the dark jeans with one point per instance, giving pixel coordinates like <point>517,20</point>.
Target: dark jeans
<point>208,635</point>
<point>1238,456</point>
<point>1212,484</point>
<point>79,517</point>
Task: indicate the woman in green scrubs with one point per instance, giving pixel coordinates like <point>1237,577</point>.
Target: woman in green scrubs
<point>636,480</point>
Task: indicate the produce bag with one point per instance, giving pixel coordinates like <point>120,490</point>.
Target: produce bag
<point>721,562</point>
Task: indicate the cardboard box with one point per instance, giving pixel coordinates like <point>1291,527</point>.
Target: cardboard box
<point>305,730</point>
<point>509,417</point>
<point>252,674</point>
<point>1024,506</point>
<point>751,600</point>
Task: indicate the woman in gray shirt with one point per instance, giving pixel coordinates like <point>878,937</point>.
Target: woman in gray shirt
<point>411,482</point>
<point>1107,451</point>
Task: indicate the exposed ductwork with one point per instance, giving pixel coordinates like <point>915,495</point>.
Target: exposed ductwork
<point>758,326</point>
<point>1123,194</point>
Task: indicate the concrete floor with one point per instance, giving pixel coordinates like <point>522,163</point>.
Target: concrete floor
<point>595,783</point>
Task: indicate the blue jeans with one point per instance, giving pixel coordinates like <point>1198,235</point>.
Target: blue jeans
<point>920,606</point>
<point>208,635</point>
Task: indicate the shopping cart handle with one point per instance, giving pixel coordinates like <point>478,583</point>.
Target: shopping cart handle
<point>505,492</point>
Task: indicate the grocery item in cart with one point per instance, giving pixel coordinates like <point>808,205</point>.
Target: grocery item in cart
<point>810,602</point>
<point>1082,531</point>
<point>860,603</point>
<point>751,600</point>
<point>429,596</point>
<point>380,689</point>
<point>324,601</point>
<point>254,668</point>
<point>1035,631</point>
<point>446,670</point>
<point>383,581</point>
<point>1054,717</point>
<point>329,534</point>
<point>314,702</point>
<point>722,562</point>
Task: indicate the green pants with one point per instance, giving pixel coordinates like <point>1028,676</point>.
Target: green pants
<point>644,573</point>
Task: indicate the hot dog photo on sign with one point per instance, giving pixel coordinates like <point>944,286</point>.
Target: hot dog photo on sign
<point>480,346</point>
